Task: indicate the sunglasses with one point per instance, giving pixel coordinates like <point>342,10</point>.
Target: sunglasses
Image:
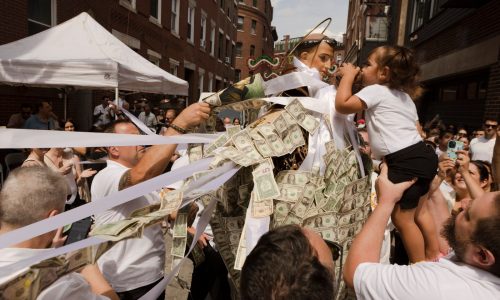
<point>490,126</point>
<point>309,43</point>
<point>335,249</point>
<point>338,255</point>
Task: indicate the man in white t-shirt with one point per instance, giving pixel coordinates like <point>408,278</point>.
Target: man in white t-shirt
<point>148,118</point>
<point>471,272</point>
<point>134,266</point>
<point>23,204</point>
<point>482,148</point>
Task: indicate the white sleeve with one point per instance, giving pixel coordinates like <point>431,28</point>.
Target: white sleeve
<point>71,286</point>
<point>381,281</point>
<point>370,95</point>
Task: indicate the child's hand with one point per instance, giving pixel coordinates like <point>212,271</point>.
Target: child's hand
<point>349,70</point>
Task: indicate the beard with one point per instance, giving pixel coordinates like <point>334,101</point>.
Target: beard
<point>448,232</point>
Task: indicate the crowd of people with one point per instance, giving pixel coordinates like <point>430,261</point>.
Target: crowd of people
<point>438,186</point>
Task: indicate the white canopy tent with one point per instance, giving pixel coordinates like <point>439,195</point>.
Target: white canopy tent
<point>83,54</point>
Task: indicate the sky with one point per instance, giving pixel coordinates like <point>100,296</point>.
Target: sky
<point>297,17</point>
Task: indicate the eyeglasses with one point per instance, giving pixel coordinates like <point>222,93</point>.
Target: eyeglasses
<point>490,126</point>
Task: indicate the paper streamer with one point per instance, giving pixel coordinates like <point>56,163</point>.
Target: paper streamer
<point>206,183</point>
<point>110,201</point>
<point>12,268</point>
<point>137,122</point>
<point>291,81</point>
<point>30,138</point>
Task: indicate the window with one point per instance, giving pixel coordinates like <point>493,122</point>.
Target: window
<point>41,15</point>
<point>174,26</point>
<point>155,10</point>
<point>221,3</point>
<point>201,79</point>
<point>154,57</point>
<point>376,22</point>
<point>221,46</point>
<point>239,45</point>
<point>418,14</point>
<point>128,4</point>
<point>253,29</point>
<point>237,75</point>
<point>252,50</point>
<point>203,30</point>
<point>174,67</point>
<point>227,59</point>
<point>210,82</point>
<point>254,3</point>
<point>190,23</point>
<point>241,21</point>
<point>212,40</point>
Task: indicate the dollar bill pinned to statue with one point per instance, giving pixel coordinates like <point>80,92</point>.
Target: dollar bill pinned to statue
<point>334,203</point>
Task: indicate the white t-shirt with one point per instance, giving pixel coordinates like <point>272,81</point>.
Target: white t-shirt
<point>391,119</point>
<point>445,279</point>
<point>131,263</point>
<point>69,286</point>
<point>482,148</point>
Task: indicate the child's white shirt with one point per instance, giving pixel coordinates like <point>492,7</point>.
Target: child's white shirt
<point>391,119</point>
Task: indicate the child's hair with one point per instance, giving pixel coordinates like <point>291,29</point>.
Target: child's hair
<point>403,69</point>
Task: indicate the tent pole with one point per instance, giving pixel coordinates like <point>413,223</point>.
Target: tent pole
<point>116,96</point>
<point>65,104</point>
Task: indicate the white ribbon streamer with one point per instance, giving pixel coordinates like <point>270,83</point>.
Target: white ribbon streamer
<point>291,81</point>
<point>30,138</point>
<point>137,122</point>
<point>14,267</point>
<point>156,291</point>
<point>110,201</point>
<point>208,182</point>
<point>313,104</point>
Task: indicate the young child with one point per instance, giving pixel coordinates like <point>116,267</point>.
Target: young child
<point>390,83</point>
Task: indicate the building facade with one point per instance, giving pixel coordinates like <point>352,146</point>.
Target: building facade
<point>458,46</point>
<point>194,40</point>
<point>255,35</point>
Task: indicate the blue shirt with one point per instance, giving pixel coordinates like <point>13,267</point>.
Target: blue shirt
<point>34,122</point>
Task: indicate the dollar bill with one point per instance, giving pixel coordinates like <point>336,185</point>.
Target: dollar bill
<point>213,99</point>
<point>170,200</point>
<point>290,193</point>
<point>327,233</point>
<point>288,118</point>
<point>244,143</point>
<point>322,220</point>
<point>234,237</point>
<point>179,246</point>
<point>234,223</point>
<point>305,120</point>
<point>265,186</point>
<point>273,139</point>
<point>281,210</point>
<point>292,219</point>
<point>180,225</point>
<point>195,152</point>
<point>263,208</point>
<point>241,254</point>
<point>280,124</point>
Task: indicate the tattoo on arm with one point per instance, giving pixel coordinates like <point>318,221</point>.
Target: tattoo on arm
<point>125,181</point>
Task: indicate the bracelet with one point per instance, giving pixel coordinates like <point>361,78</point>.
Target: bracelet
<point>178,129</point>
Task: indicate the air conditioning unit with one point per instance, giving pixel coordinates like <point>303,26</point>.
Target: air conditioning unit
<point>203,43</point>
<point>227,60</point>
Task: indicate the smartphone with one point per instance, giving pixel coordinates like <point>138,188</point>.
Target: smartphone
<point>453,147</point>
<point>78,230</point>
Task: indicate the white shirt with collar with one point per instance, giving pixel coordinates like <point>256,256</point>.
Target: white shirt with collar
<point>69,286</point>
<point>131,263</point>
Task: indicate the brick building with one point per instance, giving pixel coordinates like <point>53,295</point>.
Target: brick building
<point>457,45</point>
<point>255,35</point>
<point>194,40</point>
